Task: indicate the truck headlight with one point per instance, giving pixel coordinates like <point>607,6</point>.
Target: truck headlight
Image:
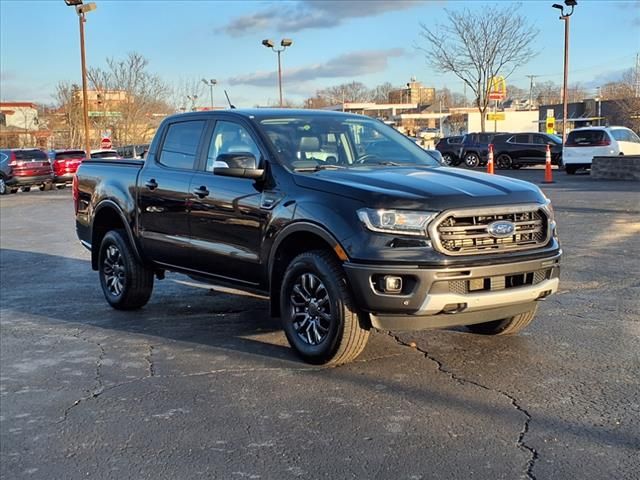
<point>402,222</point>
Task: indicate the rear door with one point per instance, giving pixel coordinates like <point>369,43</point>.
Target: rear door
<point>628,141</point>
<point>163,192</point>
<point>228,215</point>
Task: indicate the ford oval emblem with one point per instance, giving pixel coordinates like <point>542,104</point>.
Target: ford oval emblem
<point>501,229</point>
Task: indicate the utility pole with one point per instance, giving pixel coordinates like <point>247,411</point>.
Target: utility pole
<point>637,75</point>
<point>531,85</point>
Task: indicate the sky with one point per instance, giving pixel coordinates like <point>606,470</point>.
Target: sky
<point>333,42</point>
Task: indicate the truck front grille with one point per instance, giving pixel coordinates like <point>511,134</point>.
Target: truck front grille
<point>465,232</point>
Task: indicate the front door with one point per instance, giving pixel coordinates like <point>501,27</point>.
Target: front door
<point>163,193</point>
<point>228,218</point>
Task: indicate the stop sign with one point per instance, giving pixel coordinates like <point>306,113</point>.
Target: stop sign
<point>105,143</point>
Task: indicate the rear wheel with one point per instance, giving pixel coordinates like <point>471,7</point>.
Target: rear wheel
<point>471,160</point>
<point>26,189</point>
<point>504,161</point>
<point>126,283</point>
<point>448,159</point>
<point>13,190</point>
<point>45,187</point>
<point>507,326</point>
<point>570,169</point>
<point>319,317</point>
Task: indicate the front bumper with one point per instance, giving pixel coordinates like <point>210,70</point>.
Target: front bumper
<point>445,297</point>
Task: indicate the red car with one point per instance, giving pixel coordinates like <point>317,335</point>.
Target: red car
<point>26,168</point>
<point>65,163</point>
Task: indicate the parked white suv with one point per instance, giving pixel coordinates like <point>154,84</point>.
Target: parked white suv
<point>585,143</point>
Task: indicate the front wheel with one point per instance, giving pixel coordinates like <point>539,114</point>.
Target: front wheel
<point>507,326</point>
<point>471,160</point>
<point>319,317</point>
<point>126,283</point>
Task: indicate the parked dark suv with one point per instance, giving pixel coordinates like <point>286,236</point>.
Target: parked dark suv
<point>28,168</point>
<point>475,148</point>
<point>518,149</point>
<point>449,147</point>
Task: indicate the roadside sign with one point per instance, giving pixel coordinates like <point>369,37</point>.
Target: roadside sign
<point>551,125</point>
<point>105,143</point>
<point>498,88</point>
<point>495,116</point>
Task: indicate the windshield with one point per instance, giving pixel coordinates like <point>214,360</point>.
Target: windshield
<point>324,141</point>
<point>70,154</point>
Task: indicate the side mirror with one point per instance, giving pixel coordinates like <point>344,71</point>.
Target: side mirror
<point>240,165</point>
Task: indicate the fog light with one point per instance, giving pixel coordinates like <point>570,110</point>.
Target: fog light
<point>392,284</point>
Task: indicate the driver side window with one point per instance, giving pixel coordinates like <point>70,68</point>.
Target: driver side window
<point>230,137</point>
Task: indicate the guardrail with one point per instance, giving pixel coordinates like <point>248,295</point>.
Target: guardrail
<point>619,167</point>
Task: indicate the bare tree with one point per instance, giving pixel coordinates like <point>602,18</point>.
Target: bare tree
<point>380,93</point>
<point>479,45</point>
<point>67,125</point>
<point>187,93</point>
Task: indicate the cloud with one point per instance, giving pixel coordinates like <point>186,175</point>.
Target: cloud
<point>306,14</point>
<point>348,65</point>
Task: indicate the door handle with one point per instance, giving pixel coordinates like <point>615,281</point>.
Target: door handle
<point>201,191</point>
<point>151,184</point>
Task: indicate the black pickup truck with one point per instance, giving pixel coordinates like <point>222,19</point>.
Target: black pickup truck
<point>345,223</point>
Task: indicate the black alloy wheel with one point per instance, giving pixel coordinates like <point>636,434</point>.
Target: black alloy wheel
<point>504,161</point>
<point>319,317</point>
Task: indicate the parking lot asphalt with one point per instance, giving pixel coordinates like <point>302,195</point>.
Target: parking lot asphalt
<point>202,384</point>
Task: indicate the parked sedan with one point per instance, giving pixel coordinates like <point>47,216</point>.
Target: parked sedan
<point>514,150</point>
<point>65,163</point>
<point>585,143</point>
<point>28,167</point>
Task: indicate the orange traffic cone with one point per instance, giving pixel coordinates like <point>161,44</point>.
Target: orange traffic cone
<point>490,160</point>
<point>548,177</point>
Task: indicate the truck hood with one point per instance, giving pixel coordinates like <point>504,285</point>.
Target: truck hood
<point>435,188</point>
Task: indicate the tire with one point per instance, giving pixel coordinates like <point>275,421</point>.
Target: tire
<point>3,187</point>
<point>126,283</point>
<point>504,162</point>
<point>45,187</point>
<point>26,189</point>
<point>507,326</point>
<point>570,169</point>
<point>315,289</point>
<point>13,190</point>
<point>471,160</point>
<point>448,159</point>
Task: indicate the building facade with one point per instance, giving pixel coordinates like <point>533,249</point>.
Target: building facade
<point>414,92</point>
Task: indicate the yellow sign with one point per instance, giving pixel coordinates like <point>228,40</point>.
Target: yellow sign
<point>551,125</point>
<point>498,88</point>
<point>495,116</point>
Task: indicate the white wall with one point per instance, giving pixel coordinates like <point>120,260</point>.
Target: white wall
<point>522,121</point>
<point>22,117</point>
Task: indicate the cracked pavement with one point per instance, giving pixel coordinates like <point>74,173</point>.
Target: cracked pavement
<point>201,383</point>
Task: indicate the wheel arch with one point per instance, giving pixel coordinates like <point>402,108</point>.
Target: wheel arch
<point>295,239</point>
<point>108,216</point>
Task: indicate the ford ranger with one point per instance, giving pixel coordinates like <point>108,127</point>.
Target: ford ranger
<point>342,221</point>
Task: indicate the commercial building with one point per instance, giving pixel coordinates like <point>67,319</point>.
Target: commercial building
<point>415,93</point>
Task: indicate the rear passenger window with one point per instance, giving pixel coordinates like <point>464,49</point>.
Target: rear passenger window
<point>181,144</point>
<point>520,139</point>
<point>540,140</point>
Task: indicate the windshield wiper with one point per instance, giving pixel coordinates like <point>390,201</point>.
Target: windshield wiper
<point>317,168</point>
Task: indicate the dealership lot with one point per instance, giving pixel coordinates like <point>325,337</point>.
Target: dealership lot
<point>202,383</point>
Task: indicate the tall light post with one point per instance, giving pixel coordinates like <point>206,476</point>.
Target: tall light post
<point>81,10</point>
<point>565,17</point>
<point>210,83</point>
<point>599,101</point>
<point>284,43</point>
<point>193,99</point>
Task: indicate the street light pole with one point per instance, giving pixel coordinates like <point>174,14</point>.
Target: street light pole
<point>85,99</point>
<point>81,10</point>
<point>565,17</point>
<point>284,43</point>
<point>211,84</point>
